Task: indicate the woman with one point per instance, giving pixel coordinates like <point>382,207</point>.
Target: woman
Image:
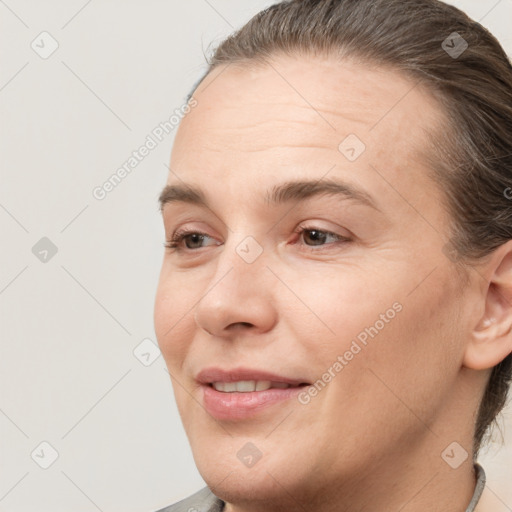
<point>335,300</point>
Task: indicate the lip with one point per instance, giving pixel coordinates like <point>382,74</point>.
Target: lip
<point>236,405</point>
<point>214,374</point>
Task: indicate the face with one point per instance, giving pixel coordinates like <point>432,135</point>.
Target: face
<point>340,288</point>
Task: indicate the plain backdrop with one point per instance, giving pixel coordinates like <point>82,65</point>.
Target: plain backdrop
<point>83,389</point>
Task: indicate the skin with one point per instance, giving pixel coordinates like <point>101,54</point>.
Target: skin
<point>372,439</point>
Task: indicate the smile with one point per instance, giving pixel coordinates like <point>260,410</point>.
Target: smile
<point>247,386</point>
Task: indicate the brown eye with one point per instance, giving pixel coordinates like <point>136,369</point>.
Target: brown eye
<point>314,237</point>
<point>192,240</point>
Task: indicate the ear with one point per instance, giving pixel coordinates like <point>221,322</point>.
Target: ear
<point>491,337</point>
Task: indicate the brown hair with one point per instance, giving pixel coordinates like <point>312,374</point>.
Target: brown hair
<point>471,157</point>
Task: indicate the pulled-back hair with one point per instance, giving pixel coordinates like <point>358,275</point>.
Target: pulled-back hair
<point>470,157</point>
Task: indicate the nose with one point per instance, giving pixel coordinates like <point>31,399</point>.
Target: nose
<point>238,297</point>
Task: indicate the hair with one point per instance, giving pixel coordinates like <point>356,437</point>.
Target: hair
<point>470,156</point>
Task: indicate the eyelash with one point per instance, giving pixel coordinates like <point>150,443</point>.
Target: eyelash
<point>180,235</point>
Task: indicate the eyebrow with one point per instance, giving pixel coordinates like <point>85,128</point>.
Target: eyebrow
<point>286,192</point>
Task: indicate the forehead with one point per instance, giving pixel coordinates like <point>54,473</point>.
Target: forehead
<point>308,101</point>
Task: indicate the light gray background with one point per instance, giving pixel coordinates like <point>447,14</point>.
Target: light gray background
<point>70,325</point>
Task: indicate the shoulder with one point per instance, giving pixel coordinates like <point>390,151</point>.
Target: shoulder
<point>202,501</point>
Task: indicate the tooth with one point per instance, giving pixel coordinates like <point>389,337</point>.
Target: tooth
<point>248,386</point>
<point>262,385</point>
<point>282,385</point>
<point>245,386</point>
<point>229,387</point>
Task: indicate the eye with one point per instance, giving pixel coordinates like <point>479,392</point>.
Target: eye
<point>319,236</point>
<point>186,235</point>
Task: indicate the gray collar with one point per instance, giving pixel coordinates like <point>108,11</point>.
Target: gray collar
<point>480,484</point>
<point>202,501</point>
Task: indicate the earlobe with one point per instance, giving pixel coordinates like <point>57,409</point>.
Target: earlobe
<point>491,337</point>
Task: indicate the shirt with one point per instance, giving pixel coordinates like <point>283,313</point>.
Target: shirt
<point>205,501</point>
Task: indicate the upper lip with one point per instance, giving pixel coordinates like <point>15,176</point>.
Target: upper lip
<point>214,374</point>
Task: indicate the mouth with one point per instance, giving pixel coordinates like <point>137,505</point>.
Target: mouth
<point>242,393</point>
<point>249,386</point>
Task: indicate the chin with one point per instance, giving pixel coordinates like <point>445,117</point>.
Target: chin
<point>223,469</point>
<point>250,486</point>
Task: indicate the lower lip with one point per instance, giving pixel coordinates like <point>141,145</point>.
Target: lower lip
<point>238,406</point>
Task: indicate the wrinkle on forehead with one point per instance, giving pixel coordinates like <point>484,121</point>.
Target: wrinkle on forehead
<point>289,91</point>
<point>304,105</point>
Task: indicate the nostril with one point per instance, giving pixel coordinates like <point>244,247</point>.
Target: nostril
<point>244,324</point>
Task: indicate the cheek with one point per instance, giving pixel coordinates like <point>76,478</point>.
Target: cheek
<point>413,362</point>
<point>342,307</point>
<point>173,312</point>
<point>393,343</point>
